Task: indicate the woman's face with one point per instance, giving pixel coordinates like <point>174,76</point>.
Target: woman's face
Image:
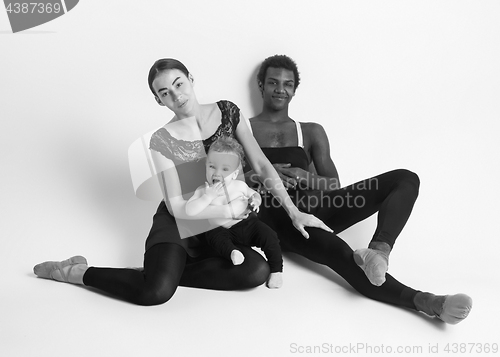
<point>175,91</point>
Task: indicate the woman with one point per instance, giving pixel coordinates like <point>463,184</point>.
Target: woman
<point>174,256</point>
<point>292,147</point>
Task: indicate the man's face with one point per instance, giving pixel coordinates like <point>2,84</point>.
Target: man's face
<point>278,88</point>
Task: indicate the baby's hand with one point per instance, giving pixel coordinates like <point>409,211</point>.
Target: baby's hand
<point>254,202</point>
<point>215,190</point>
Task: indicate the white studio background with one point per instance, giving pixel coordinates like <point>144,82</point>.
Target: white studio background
<point>413,84</point>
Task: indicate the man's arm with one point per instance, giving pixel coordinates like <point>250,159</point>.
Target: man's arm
<point>327,177</point>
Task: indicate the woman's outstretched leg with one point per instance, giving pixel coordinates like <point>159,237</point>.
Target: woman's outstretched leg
<point>156,284</point>
<point>164,269</point>
<point>220,274</point>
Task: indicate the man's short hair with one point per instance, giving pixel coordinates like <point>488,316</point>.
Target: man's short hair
<point>227,144</point>
<point>278,61</point>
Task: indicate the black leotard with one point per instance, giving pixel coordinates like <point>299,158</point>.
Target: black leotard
<point>189,159</point>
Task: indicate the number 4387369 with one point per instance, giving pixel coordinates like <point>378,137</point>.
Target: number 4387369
<point>471,347</point>
<point>33,8</point>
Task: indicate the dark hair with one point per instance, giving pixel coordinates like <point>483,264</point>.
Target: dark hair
<point>278,61</point>
<point>230,145</point>
<point>162,65</point>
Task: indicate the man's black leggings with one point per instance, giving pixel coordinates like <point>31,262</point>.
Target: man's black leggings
<point>391,194</point>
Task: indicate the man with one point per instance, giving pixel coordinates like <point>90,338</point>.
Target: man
<point>294,149</point>
<point>278,79</point>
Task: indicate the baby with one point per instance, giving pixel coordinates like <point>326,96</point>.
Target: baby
<point>223,160</point>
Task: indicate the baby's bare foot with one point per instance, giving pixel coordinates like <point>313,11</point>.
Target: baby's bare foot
<point>237,257</point>
<point>275,280</point>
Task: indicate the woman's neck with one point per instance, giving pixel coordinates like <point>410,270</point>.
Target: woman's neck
<point>195,111</point>
<point>200,120</point>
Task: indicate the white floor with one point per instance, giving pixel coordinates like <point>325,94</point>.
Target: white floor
<point>315,310</point>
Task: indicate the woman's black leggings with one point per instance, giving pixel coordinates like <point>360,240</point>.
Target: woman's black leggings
<point>391,194</point>
<point>167,265</point>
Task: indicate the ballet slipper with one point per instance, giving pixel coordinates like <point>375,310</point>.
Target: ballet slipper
<point>448,308</point>
<point>374,263</point>
<point>56,271</point>
<point>455,308</point>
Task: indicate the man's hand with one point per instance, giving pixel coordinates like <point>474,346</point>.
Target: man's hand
<point>290,175</point>
<point>293,173</point>
<point>288,181</point>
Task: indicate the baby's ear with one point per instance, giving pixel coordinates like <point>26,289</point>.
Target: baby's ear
<point>235,174</point>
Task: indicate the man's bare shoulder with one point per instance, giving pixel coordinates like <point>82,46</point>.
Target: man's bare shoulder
<point>256,119</point>
<point>312,129</point>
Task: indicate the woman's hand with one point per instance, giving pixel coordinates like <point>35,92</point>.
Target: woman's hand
<point>302,220</point>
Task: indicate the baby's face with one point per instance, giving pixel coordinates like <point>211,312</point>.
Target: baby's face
<point>222,166</point>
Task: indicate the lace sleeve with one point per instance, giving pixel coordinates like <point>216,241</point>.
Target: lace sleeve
<point>232,113</point>
<point>159,143</point>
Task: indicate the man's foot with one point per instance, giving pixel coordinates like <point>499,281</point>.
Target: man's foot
<point>374,261</point>
<point>448,308</point>
<point>69,271</point>
<point>237,257</point>
<point>275,280</point>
